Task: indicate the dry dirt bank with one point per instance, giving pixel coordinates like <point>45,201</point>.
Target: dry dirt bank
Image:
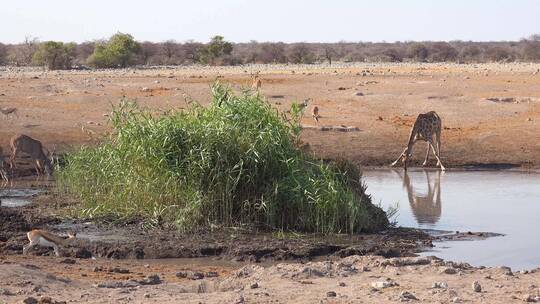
<point>353,279</point>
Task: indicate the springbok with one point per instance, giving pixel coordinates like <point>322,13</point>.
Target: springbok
<point>38,237</point>
<point>315,113</point>
<point>256,84</point>
<point>34,148</point>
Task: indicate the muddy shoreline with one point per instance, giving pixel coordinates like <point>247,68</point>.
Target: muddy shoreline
<point>129,240</point>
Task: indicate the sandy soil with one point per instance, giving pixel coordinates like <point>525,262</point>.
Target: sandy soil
<point>481,126</point>
<point>353,279</point>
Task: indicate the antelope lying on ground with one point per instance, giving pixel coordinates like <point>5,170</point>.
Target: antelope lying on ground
<point>38,237</point>
<point>33,147</point>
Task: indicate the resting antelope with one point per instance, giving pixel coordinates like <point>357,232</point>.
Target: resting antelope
<point>33,147</point>
<point>38,237</point>
<point>427,127</point>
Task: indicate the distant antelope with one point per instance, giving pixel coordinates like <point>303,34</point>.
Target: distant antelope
<point>9,111</point>
<point>38,237</point>
<point>315,113</point>
<point>427,127</point>
<point>256,83</point>
<point>33,147</point>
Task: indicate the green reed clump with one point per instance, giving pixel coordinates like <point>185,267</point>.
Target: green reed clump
<point>232,163</point>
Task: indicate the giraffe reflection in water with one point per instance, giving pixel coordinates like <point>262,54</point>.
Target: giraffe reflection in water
<point>426,208</point>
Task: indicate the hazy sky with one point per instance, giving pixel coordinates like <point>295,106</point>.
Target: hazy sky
<point>271,20</point>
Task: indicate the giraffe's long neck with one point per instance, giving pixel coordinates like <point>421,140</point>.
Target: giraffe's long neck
<point>410,144</point>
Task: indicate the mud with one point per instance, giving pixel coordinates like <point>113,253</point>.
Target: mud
<point>130,241</point>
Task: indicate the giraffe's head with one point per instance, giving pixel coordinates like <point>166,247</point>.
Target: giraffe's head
<point>406,159</point>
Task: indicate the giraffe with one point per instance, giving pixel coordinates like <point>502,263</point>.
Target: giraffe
<point>425,208</point>
<point>427,127</point>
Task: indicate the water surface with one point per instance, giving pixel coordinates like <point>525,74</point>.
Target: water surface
<point>483,201</point>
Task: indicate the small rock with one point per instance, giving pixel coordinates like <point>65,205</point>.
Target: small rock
<point>98,269</point>
<point>442,285</point>
<point>46,300</point>
<point>156,81</point>
<point>68,261</point>
<point>38,289</point>
<point>128,284</point>
<point>449,270</point>
<point>151,280</point>
<point>342,284</point>
<point>476,286</point>
<point>254,285</point>
<point>530,298</point>
<point>407,296</point>
<point>147,295</point>
<point>145,89</point>
<point>456,300</point>
<point>119,270</point>
<point>359,94</point>
<point>331,294</point>
<point>383,284</point>
<point>6,292</point>
<point>529,119</point>
<point>190,275</point>
<point>30,300</point>
<point>211,274</point>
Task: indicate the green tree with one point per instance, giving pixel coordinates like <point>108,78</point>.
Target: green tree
<point>216,49</point>
<point>55,55</point>
<point>118,51</point>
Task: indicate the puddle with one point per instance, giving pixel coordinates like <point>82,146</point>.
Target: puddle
<point>13,202</point>
<point>483,201</point>
<point>17,197</point>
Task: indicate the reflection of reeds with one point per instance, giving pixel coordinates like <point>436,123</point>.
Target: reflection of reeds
<point>233,163</point>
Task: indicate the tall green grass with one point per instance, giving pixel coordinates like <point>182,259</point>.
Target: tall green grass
<point>232,163</point>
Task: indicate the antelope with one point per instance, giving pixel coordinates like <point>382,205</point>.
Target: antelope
<point>39,237</point>
<point>9,111</point>
<point>256,84</point>
<point>315,113</point>
<point>33,147</point>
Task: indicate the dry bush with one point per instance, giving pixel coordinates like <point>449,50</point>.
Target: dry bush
<point>3,54</point>
<point>442,51</point>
